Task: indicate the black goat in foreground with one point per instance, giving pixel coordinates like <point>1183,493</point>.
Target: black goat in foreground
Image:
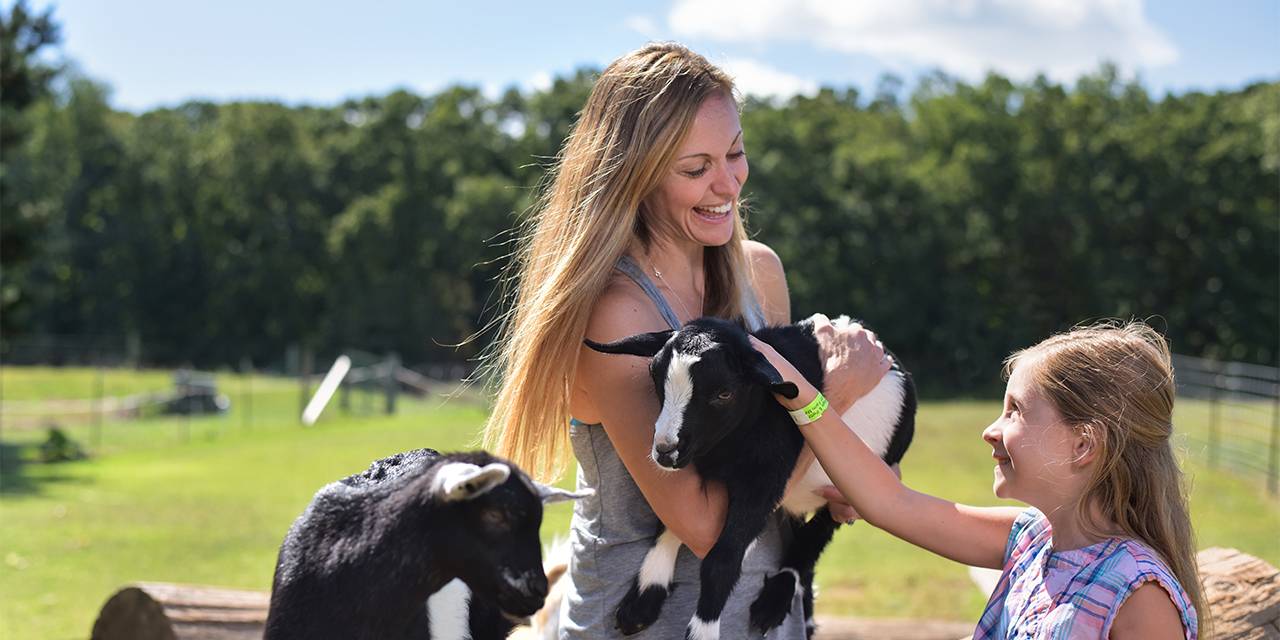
<point>718,411</point>
<point>363,559</point>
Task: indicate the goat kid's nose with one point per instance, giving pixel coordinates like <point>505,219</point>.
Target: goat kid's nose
<point>665,447</point>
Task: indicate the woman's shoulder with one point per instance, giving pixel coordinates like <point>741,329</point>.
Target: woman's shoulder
<point>761,256</point>
<point>623,309</point>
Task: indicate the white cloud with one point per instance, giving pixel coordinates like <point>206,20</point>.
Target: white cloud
<point>1018,38</point>
<point>642,25</point>
<point>763,81</point>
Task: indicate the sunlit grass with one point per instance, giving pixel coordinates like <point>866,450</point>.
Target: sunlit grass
<point>208,500</point>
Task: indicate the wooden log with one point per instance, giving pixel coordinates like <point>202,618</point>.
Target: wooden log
<point>163,611</point>
<point>1243,594</point>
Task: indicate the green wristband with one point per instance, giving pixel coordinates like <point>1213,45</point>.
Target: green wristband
<point>811,411</point>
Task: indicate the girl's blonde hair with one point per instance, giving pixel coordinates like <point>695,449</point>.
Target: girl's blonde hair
<point>1114,382</point>
<point>638,114</point>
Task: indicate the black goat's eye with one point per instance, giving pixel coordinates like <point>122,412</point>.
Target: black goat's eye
<point>496,518</point>
<point>725,395</point>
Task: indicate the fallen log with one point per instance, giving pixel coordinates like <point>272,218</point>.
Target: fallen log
<point>164,611</point>
<point>1243,594</point>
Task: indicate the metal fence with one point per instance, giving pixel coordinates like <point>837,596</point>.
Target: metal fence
<point>1242,403</point>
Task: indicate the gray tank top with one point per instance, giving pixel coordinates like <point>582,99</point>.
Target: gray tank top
<point>612,530</point>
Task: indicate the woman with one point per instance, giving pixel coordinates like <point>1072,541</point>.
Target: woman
<point>640,230</point>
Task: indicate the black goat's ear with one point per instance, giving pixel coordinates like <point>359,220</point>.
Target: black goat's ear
<point>457,481</point>
<point>767,375</point>
<point>645,345</point>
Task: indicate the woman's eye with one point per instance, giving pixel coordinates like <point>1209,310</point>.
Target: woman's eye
<point>696,173</point>
<point>738,155</point>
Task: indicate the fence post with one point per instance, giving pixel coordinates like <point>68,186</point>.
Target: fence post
<point>1214,410</point>
<point>393,386</point>
<point>1273,459</point>
<point>246,392</point>
<point>304,378</point>
<point>99,392</point>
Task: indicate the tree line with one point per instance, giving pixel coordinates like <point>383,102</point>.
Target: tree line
<point>961,223</point>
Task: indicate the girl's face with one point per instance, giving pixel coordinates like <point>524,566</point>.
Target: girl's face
<point>1037,454</point>
<point>697,198</point>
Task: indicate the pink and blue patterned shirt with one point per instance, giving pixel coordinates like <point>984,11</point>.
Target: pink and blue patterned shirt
<point>1072,595</point>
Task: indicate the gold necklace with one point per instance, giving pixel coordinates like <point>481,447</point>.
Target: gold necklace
<point>673,291</point>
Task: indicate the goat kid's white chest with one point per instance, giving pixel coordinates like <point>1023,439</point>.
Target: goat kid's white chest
<point>677,390</point>
<point>874,417</point>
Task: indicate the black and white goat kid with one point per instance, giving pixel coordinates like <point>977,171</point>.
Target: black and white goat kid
<point>718,411</point>
<point>367,555</point>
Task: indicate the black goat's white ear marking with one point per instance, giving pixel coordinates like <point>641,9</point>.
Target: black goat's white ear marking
<point>464,481</point>
<point>551,495</point>
<point>645,345</point>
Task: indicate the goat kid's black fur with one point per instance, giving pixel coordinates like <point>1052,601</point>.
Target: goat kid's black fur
<point>738,434</point>
<point>370,550</point>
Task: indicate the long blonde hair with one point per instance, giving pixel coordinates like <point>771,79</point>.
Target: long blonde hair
<point>1114,381</point>
<point>638,114</point>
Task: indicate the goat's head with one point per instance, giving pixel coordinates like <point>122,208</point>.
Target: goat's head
<point>496,548</point>
<point>708,378</point>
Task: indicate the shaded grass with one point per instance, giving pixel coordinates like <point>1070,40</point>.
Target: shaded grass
<point>212,507</point>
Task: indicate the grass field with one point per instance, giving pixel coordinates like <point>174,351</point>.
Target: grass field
<point>207,500</point>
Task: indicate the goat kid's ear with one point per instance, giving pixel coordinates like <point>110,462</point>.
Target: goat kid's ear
<point>645,345</point>
<point>551,495</point>
<point>766,375</point>
<point>463,481</point>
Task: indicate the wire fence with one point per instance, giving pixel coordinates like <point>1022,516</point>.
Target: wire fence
<point>1240,404</point>
<point>112,407</point>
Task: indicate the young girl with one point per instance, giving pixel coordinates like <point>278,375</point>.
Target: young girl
<point>1106,549</point>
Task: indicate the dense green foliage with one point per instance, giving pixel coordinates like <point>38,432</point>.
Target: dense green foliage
<point>963,224</point>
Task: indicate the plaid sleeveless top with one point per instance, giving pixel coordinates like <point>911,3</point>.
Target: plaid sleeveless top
<point>1072,595</point>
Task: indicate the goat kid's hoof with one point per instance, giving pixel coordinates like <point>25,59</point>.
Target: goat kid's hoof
<point>639,609</point>
<point>774,602</point>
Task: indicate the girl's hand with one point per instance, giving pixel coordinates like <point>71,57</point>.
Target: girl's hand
<point>854,361</point>
<point>789,374</point>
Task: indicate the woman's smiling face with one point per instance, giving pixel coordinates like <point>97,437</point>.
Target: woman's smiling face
<point>697,198</point>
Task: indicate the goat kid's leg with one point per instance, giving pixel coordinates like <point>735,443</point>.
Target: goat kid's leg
<point>643,603</point>
<point>796,575</point>
<point>722,567</point>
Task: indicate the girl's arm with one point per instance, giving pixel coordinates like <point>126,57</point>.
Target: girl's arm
<point>1147,614</point>
<point>852,358</point>
<point>974,536</point>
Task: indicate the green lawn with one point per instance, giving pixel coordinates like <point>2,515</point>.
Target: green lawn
<point>208,500</point>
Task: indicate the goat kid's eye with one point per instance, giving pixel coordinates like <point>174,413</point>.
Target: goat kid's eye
<point>495,518</point>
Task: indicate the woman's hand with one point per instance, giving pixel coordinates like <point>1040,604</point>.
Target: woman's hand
<point>853,359</point>
<point>841,510</point>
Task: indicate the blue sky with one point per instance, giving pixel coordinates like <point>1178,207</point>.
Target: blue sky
<point>155,53</point>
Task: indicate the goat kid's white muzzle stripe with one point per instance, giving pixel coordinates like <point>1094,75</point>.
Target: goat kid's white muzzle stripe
<point>678,392</point>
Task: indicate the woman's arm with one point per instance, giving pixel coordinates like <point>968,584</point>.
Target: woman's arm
<point>617,392</point>
<point>971,535</point>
